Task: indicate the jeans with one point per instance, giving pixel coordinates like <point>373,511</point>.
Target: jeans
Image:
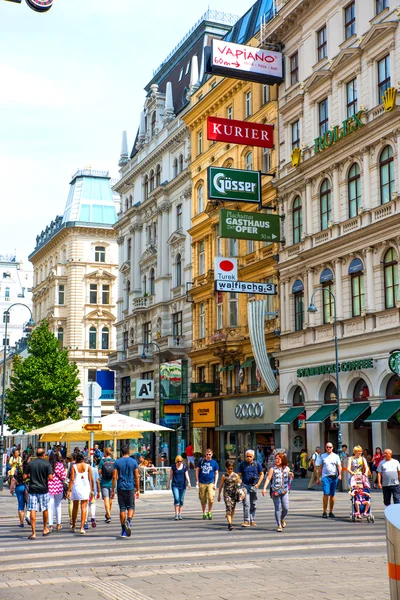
<point>281,504</point>
<point>55,505</point>
<point>388,492</point>
<point>250,503</point>
<point>20,492</point>
<point>179,496</point>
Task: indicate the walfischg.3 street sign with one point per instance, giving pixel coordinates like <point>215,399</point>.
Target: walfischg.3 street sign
<point>234,184</point>
<point>249,226</point>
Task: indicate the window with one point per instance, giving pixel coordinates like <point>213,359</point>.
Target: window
<point>249,161</point>
<point>6,342</point>
<point>250,246</point>
<point>60,336</point>
<point>350,20</point>
<point>354,190</point>
<point>105,294</point>
<point>380,5</point>
<point>181,75</point>
<point>175,167</point>
<point>328,302</point>
<point>99,254</point>
<point>361,391</point>
<point>187,68</point>
<point>105,338</point>
<point>270,301</point>
<point>129,249</point>
<point>391,278</point>
<point>266,160</point>
<point>147,333</point>
<point>247,104</point>
<point>125,340</point>
<point>294,68</point>
<point>180,163</point>
<point>199,142</point>
<point>151,180</point>
<point>298,311</point>
<point>201,375</point>
<point>330,396</point>
<point>125,390</point>
<point>383,76</point>
<point>146,187</point>
<point>92,338</point>
<point>144,284</point>
<point>92,375</point>
<point>178,270</point>
<point>297,220</point>
<point>177,324</point>
<point>201,258</point>
<point>357,293</point>
<point>298,397</point>
<point>93,293</point>
<point>152,289</point>
<point>179,216</point>
<point>386,171</point>
<point>351,97</point>
<point>158,175</point>
<point>200,198</point>
<point>232,247</point>
<point>218,241</point>
<point>153,124</point>
<point>265,94</point>
<point>229,112</point>
<point>233,309</point>
<point>202,320</point>
<point>61,294</point>
<point>220,307</point>
<point>322,46</point>
<point>295,131</point>
<point>323,117</point>
<point>325,204</point>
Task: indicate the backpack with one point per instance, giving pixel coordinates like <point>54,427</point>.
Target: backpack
<point>311,463</point>
<point>107,470</point>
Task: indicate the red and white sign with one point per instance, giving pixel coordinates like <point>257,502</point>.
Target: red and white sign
<point>240,132</point>
<point>225,269</point>
<point>40,5</point>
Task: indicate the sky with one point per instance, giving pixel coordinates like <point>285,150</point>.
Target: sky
<point>71,80</point>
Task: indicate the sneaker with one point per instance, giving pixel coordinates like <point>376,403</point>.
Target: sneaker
<point>283,523</point>
<point>86,526</point>
<point>246,524</point>
<point>209,516</point>
<point>253,523</point>
<point>93,522</point>
<point>331,515</point>
<point>279,528</point>
<point>123,535</point>
<point>108,520</point>
<point>21,525</point>
<point>176,518</point>
<point>180,517</point>
<point>27,521</point>
<point>205,517</point>
<point>230,526</point>
<point>324,515</point>
<point>127,527</point>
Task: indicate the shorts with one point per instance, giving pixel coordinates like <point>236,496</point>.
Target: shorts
<point>329,485</point>
<point>206,492</point>
<point>38,502</point>
<point>126,500</point>
<point>105,492</point>
<point>190,460</point>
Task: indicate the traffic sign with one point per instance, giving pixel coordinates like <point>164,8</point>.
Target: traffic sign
<point>245,287</point>
<point>93,427</point>
<point>96,391</point>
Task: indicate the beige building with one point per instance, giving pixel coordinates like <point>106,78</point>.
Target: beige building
<point>75,278</point>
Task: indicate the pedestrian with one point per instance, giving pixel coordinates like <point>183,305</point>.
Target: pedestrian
<point>303,463</point>
<point>343,454</point>
<point>56,489</point>
<point>97,452</point>
<point>190,455</point>
<point>376,461</point>
<point>206,482</point>
<point>95,495</point>
<point>126,480</point>
<point>64,452</point>
<point>357,464</point>
<point>179,474</point>
<point>368,458</point>
<point>260,455</point>
<point>229,486</point>
<point>314,472</point>
<point>18,488</point>
<point>106,471</point>
<point>388,478</point>
<point>280,477</point>
<point>39,473</point>
<point>251,473</point>
<point>329,473</point>
<point>271,457</point>
<point>79,488</point>
<point>15,459</point>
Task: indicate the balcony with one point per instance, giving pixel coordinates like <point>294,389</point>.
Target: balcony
<point>115,358</point>
<point>143,303</point>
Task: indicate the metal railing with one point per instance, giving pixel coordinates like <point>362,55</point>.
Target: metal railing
<point>153,479</point>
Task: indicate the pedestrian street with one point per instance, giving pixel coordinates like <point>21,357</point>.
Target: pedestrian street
<point>311,558</point>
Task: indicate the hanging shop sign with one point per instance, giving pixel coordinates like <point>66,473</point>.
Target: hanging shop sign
<point>225,269</point>
<point>234,184</point>
<point>249,226</point>
<point>245,287</point>
<point>249,411</point>
<point>171,409</point>
<point>204,414</point>
<point>394,362</point>
<point>144,389</point>
<point>337,133</point>
<point>240,132</point>
<point>350,365</point>
<point>243,62</point>
<point>202,388</point>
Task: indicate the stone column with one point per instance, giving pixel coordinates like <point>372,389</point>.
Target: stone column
<point>339,289</point>
<point>285,437</point>
<point>165,248</point>
<point>336,194</point>
<point>369,259</point>
<point>366,202</point>
<point>397,134</point>
<point>132,256</point>
<point>377,435</point>
<point>136,284</point>
<point>160,247</point>
<point>308,206</point>
<point>282,306</point>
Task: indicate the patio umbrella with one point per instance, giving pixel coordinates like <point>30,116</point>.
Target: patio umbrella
<point>53,427</point>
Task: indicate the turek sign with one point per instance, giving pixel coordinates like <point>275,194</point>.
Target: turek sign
<point>240,132</point>
<point>234,184</point>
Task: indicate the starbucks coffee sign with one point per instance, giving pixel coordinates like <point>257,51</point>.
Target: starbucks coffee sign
<point>345,366</point>
<point>394,362</point>
<point>337,133</point>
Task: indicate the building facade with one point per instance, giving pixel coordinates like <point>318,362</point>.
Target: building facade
<point>15,288</point>
<point>75,265</point>
<point>339,182</point>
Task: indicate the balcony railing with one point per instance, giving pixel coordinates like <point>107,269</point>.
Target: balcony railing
<point>142,303</point>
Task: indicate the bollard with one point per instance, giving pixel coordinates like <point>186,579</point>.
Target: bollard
<point>392,516</point>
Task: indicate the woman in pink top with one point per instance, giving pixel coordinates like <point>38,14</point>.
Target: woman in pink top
<point>376,461</point>
<point>56,489</point>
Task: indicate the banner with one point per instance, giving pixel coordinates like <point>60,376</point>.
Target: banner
<point>240,132</point>
<point>234,184</point>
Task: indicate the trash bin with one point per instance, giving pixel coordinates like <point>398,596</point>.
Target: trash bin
<point>392,516</point>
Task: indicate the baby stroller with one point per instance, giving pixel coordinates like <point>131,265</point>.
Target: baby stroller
<point>360,492</point>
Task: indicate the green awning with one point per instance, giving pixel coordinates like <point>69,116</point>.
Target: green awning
<point>290,415</point>
<point>231,367</point>
<point>322,413</point>
<point>247,363</point>
<point>223,368</point>
<point>353,411</point>
<point>384,411</point>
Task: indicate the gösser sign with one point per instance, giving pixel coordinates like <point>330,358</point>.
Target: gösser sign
<point>243,62</point>
<point>249,411</point>
<point>234,184</point>
<point>249,226</point>
<point>240,132</point>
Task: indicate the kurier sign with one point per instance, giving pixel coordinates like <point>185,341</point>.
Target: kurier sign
<point>249,226</point>
<point>234,184</point>
<point>240,132</point>
<point>243,62</point>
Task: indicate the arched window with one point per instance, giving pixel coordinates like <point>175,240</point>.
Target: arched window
<point>92,338</point>
<point>126,204</point>
<point>298,293</point>
<point>151,180</point>
<point>200,198</point>
<point>330,396</point>
<point>326,281</point>
<point>248,161</point>
<point>153,123</point>
<point>105,338</point>
<point>178,268</point>
<point>298,397</point>
<point>130,201</point>
<point>393,387</point>
<point>146,187</point>
<point>158,175</point>
<point>386,171</point>
<point>356,272</point>
<point>391,278</point>
<point>180,163</point>
<point>144,284</point>
<point>354,190</point>
<point>175,167</point>
<point>60,336</point>
<point>361,391</point>
<point>297,220</point>
<point>152,289</point>
<point>325,204</point>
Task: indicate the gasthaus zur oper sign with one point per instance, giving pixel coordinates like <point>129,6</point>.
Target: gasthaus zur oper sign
<point>234,184</point>
<point>249,226</point>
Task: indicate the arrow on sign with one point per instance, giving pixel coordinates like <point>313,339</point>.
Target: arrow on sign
<point>236,64</point>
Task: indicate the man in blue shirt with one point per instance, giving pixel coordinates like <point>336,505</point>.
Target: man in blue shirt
<point>206,482</point>
<point>251,474</point>
<point>126,478</point>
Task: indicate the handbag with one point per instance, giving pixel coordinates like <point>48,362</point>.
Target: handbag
<point>240,494</point>
<point>65,484</point>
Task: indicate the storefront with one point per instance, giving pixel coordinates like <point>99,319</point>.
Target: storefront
<point>146,444</point>
<point>204,421</point>
<point>249,424</point>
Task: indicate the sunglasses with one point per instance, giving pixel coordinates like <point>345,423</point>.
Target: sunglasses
<point>178,461</point>
<point>208,454</point>
<point>327,447</point>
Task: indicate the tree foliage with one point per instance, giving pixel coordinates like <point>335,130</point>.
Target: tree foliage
<point>44,386</point>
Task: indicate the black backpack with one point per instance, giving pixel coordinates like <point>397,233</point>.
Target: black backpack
<point>107,470</point>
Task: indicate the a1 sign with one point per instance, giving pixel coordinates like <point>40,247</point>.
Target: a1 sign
<point>225,269</point>
<point>144,389</point>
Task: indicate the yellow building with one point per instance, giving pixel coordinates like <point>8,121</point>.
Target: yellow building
<point>234,411</point>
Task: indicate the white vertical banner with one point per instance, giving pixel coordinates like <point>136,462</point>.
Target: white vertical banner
<point>256,316</point>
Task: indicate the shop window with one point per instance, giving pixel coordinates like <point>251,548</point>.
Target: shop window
<point>391,278</point>
<point>393,387</point>
<point>325,204</point>
<point>361,391</point>
<point>351,97</point>
<point>105,338</point>
<point>298,396</point>
<point>383,76</point>
<point>297,220</point>
<point>350,20</point>
<point>322,45</point>
<point>354,190</point>
<point>330,396</point>
<point>92,338</point>
<point>386,172</point>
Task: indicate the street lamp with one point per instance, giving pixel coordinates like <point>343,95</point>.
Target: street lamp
<point>28,325</point>
<point>143,356</point>
<point>313,309</point>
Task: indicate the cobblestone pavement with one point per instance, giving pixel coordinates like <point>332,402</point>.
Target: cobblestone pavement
<point>313,558</point>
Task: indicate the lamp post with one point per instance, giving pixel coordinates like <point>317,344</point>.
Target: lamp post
<point>143,355</point>
<point>6,320</point>
<point>313,309</point>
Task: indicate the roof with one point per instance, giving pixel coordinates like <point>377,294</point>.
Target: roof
<point>90,199</point>
<point>249,25</point>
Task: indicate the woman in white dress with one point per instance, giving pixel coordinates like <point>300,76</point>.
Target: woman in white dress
<point>80,487</point>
